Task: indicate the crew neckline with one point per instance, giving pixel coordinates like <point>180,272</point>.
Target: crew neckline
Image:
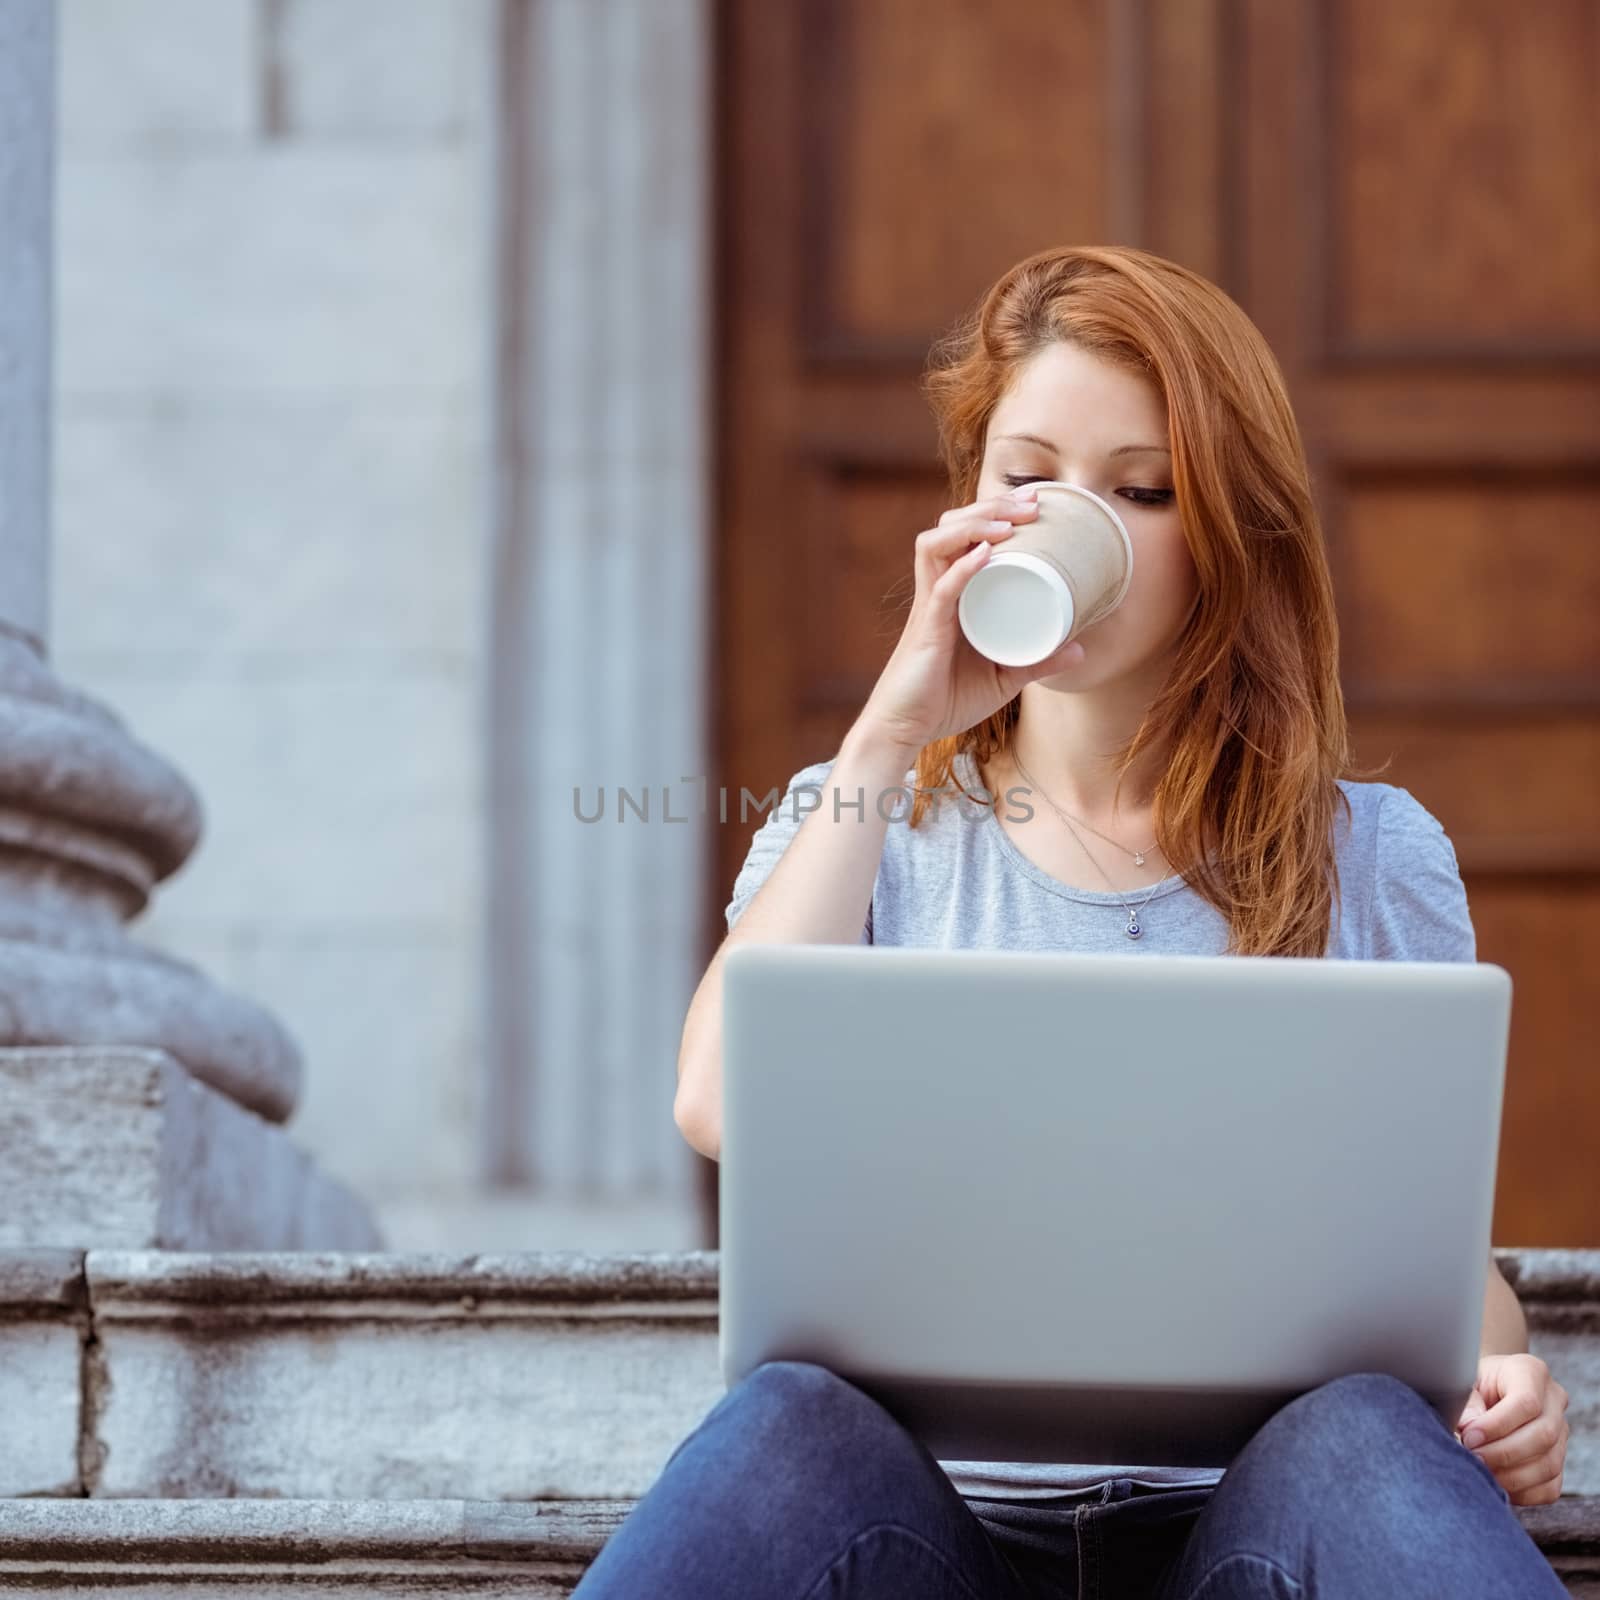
<point>1138,898</point>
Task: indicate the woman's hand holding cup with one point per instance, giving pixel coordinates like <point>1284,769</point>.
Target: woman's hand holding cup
<point>935,684</point>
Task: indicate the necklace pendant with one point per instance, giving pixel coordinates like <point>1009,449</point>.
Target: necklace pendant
<point>1133,928</point>
<point>1138,858</point>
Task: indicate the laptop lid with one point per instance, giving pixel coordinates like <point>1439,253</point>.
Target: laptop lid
<point>1096,1208</point>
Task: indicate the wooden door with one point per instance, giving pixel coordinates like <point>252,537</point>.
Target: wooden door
<point>1403,197</point>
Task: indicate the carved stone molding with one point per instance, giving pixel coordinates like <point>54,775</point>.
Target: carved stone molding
<point>90,821</point>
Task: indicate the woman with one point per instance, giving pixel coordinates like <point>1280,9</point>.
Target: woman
<point>1190,754</point>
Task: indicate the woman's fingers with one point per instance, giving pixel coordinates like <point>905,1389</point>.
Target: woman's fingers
<point>994,505</point>
<point>947,589</point>
<point>960,529</point>
<point>1531,1457</point>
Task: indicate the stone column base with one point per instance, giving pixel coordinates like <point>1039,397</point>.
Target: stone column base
<point>118,1146</point>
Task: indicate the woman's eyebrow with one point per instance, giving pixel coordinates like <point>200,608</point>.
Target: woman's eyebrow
<point>1121,450</point>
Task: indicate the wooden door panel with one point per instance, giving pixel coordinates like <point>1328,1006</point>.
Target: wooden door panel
<point>1517,792</point>
<point>1459,586</point>
<point>1460,136</point>
<point>1544,929</point>
<point>926,126</point>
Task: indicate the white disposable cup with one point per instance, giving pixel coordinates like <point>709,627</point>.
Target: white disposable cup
<point>1052,578</point>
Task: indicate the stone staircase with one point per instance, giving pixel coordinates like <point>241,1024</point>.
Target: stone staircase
<point>377,1424</point>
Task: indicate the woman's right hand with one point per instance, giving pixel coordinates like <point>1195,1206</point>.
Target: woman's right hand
<point>935,683</point>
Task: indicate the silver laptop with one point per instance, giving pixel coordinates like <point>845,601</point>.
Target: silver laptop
<point>1091,1208</point>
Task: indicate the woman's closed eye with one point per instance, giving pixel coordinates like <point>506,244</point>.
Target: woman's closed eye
<point>1139,496</point>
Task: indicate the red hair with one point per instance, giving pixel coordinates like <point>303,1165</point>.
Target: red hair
<point>1252,711</point>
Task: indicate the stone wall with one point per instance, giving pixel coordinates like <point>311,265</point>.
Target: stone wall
<point>358,305</point>
<point>273,238</point>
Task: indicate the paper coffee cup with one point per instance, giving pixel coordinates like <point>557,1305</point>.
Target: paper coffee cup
<point>1052,578</point>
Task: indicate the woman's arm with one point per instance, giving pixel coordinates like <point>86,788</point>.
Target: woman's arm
<point>817,892</point>
<point>1505,1327</point>
<point>1515,1420</point>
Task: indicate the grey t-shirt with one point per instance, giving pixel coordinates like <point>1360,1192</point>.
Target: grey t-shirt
<point>958,881</point>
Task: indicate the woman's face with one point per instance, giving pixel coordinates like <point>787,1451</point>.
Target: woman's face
<point>1103,428</point>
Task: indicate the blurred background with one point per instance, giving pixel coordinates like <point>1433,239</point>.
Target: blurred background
<point>461,401</point>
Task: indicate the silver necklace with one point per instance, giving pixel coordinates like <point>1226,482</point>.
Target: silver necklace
<point>1063,813</point>
<point>1138,855</point>
<point>1134,928</point>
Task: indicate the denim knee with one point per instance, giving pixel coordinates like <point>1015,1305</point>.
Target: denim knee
<point>1356,1435</point>
<point>806,1397</point>
<point>1359,1411</point>
<point>796,1481</point>
<point>802,1408</point>
<point>1357,1399</point>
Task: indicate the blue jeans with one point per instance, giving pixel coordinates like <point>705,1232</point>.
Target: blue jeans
<point>798,1485</point>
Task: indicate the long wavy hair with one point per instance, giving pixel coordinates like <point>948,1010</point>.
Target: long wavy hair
<point>1252,710</point>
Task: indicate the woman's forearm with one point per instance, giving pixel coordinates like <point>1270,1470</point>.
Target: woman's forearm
<point>818,892</point>
<point>820,888</point>
<point>1505,1326</point>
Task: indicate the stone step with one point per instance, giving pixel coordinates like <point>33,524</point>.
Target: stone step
<point>294,1549</point>
<point>266,1549</point>
<point>351,1376</point>
<point>168,1375</point>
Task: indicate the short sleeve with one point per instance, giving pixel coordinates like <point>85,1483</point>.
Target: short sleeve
<point>1419,903</point>
<point>772,838</point>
